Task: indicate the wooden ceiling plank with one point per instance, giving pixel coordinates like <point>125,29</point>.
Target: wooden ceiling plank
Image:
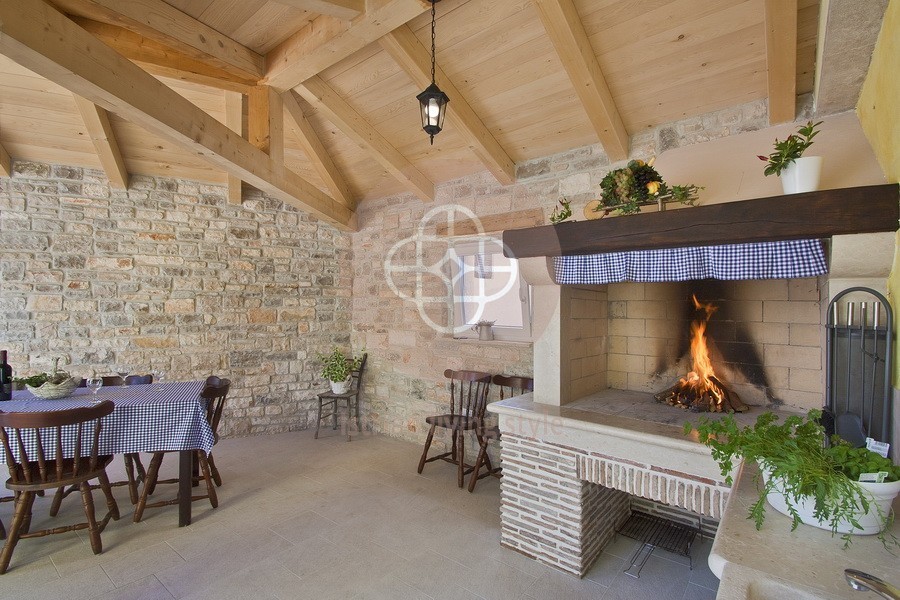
<point>319,94</point>
<point>405,48</point>
<point>42,39</point>
<point>234,120</point>
<point>781,59</point>
<point>96,120</point>
<point>265,122</point>
<point>316,153</point>
<point>166,24</point>
<point>327,40</point>
<point>339,9</point>
<point>159,59</point>
<point>567,34</point>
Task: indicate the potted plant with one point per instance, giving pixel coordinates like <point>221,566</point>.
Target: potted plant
<point>798,173</point>
<point>804,478</point>
<point>484,329</point>
<point>337,367</point>
<point>635,185</point>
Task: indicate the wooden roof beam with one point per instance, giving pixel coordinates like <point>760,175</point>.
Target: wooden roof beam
<point>265,122</point>
<point>315,151</point>
<point>415,59</point>
<point>162,60</point>
<point>339,9</point>
<point>234,120</point>
<point>319,94</point>
<point>42,39</point>
<point>563,25</point>
<point>327,41</point>
<point>96,120</point>
<point>5,163</point>
<point>167,25</point>
<point>781,59</point>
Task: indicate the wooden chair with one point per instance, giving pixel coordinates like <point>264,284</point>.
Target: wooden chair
<point>468,397</point>
<point>331,400</point>
<point>509,386</point>
<point>214,393</point>
<point>35,447</point>
<point>108,381</point>
<point>134,468</point>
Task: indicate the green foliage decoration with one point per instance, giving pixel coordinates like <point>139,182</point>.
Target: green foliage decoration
<point>800,465</point>
<point>639,184</point>
<point>789,149</point>
<point>337,366</point>
<point>561,213</point>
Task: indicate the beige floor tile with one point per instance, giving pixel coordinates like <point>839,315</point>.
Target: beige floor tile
<point>148,588</point>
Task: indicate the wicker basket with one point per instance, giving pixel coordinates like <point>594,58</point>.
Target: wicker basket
<point>55,391</point>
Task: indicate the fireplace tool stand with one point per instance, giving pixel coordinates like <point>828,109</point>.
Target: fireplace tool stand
<point>858,367</point>
<point>655,532</point>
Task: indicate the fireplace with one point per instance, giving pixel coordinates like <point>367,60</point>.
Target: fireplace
<point>591,441</point>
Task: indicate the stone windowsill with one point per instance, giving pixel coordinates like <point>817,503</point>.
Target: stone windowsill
<point>475,340</point>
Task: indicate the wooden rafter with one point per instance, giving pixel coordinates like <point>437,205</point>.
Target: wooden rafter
<point>159,59</point>
<point>563,25</point>
<point>415,59</point>
<point>327,40</point>
<point>42,39</point>
<point>167,25</point>
<point>339,9</point>
<point>315,151</point>
<point>234,120</point>
<point>96,120</point>
<point>265,122</point>
<point>781,59</point>
<point>319,94</point>
<point>5,162</point>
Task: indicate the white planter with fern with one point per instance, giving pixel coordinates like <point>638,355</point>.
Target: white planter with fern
<point>340,387</point>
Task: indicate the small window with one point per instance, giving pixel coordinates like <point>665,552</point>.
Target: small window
<point>487,286</point>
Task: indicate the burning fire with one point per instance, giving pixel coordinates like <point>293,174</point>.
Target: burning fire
<point>701,390</point>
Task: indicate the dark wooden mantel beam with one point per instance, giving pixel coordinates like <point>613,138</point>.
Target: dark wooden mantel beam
<point>820,214</point>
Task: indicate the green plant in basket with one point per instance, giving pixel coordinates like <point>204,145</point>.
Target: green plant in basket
<point>789,149</point>
<point>798,464</point>
<point>337,366</point>
<point>639,184</point>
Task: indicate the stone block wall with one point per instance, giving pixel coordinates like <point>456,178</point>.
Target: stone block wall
<point>168,276</point>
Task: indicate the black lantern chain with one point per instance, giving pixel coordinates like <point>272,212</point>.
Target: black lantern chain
<point>432,101</point>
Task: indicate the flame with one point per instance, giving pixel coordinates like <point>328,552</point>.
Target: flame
<point>702,371</point>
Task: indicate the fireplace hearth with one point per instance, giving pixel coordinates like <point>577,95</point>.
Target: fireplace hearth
<point>701,390</point>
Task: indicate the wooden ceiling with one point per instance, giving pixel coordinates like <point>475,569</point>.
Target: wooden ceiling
<point>526,78</point>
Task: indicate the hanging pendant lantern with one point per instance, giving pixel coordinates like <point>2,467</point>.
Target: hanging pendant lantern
<point>432,101</point>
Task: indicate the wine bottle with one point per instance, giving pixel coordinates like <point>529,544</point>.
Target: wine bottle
<point>5,378</point>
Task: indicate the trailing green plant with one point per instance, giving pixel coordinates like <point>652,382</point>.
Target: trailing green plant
<point>799,465</point>
<point>789,149</point>
<point>337,366</point>
<point>639,184</point>
<point>32,380</point>
<point>561,213</point>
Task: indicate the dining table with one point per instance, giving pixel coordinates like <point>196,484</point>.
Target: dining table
<point>154,417</point>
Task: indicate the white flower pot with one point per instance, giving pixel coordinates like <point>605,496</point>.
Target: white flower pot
<point>880,495</point>
<point>340,387</point>
<point>802,175</point>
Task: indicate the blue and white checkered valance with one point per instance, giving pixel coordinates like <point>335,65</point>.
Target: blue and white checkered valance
<point>759,260</point>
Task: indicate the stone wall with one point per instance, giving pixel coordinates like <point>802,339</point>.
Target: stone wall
<point>169,277</point>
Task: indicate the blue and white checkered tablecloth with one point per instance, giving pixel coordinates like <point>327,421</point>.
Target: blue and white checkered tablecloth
<point>147,418</point>
<point>760,260</point>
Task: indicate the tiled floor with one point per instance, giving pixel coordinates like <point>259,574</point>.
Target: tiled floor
<point>304,518</point>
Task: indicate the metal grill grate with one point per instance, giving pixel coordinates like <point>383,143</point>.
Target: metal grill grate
<point>656,532</point>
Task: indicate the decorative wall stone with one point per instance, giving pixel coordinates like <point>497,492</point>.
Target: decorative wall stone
<point>168,276</point>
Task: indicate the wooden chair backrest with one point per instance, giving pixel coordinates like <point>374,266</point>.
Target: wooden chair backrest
<point>138,379</point>
<point>215,391</point>
<point>108,381</point>
<point>513,385</point>
<point>35,443</point>
<point>356,374</point>
<point>468,392</point>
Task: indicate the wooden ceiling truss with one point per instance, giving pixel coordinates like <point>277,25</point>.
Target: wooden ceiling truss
<point>356,64</point>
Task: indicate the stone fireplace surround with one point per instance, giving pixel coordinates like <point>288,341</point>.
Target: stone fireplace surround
<point>590,442</point>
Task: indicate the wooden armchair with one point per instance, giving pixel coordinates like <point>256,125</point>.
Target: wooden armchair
<point>54,449</point>
<point>509,386</point>
<point>468,396</point>
<point>214,394</point>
